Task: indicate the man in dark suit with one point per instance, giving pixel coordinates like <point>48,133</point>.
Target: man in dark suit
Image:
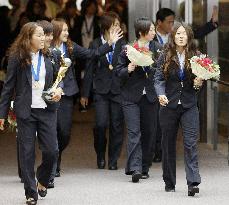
<point>107,99</point>
<point>165,18</point>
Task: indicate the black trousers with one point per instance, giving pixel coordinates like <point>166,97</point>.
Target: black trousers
<point>157,151</point>
<point>141,122</point>
<point>64,125</point>
<point>18,160</point>
<point>41,123</point>
<point>189,121</point>
<point>108,113</point>
<point>149,125</point>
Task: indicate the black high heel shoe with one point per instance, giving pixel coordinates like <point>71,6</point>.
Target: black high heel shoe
<point>192,190</point>
<point>31,201</point>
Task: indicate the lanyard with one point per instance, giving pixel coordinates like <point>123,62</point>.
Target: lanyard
<point>88,30</point>
<point>36,76</point>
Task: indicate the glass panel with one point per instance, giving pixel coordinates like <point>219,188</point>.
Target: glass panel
<point>223,112</point>
<point>224,38</point>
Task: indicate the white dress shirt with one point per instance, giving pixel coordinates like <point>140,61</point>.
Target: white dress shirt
<point>164,38</point>
<point>37,101</point>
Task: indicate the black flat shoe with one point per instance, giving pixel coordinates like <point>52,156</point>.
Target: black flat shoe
<point>51,184</point>
<point>113,168</point>
<point>136,176</point>
<point>57,174</point>
<point>157,159</point>
<point>169,188</point>
<point>101,163</point>
<point>145,175</point>
<point>31,201</point>
<point>192,190</point>
<point>41,192</point>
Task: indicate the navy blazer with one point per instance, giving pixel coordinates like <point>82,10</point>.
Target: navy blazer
<point>97,71</point>
<point>172,87</point>
<point>19,82</point>
<point>70,84</point>
<point>132,84</point>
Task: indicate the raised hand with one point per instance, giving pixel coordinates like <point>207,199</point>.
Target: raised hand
<point>163,100</point>
<point>215,14</point>
<point>115,35</point>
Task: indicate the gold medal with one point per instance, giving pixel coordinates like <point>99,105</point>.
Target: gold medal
<point>111,67</point>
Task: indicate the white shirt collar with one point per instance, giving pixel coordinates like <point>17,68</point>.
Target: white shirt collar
<point>164,37</point>
<point>35,54</point>
<point>61,48</point>
<point>103,40</point>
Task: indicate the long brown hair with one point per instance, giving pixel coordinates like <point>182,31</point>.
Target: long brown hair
<point>170,48</point>
<point>21,47</point>
<point>58,24</point>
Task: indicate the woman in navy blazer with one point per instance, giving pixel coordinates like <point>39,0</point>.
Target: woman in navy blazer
<point>73,51</point>
<point>30,72</point>
<point>174,83</point>
<point>101,73</point>
<point>139,102</point>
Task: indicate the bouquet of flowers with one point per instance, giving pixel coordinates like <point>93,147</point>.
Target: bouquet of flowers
<point>11,122</point>
<point>204,67</point>
<point>140,56</point>
<point>12,118</point>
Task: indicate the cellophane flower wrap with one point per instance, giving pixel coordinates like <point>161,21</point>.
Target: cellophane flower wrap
<point>204,67</point>
<point>140,56</point>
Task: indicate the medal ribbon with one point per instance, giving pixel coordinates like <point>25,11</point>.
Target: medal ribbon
<point>36,76</point>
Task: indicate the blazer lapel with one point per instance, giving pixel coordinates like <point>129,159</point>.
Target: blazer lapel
<point>48,76</point>
<point>29,74</point>
<point>115,54</point>
<point>103,58</point>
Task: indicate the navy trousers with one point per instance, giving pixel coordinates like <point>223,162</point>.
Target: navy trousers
<point>41,125</point>
<point>64,126</point>
<point>141,122</point>
<point>189,121</point>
